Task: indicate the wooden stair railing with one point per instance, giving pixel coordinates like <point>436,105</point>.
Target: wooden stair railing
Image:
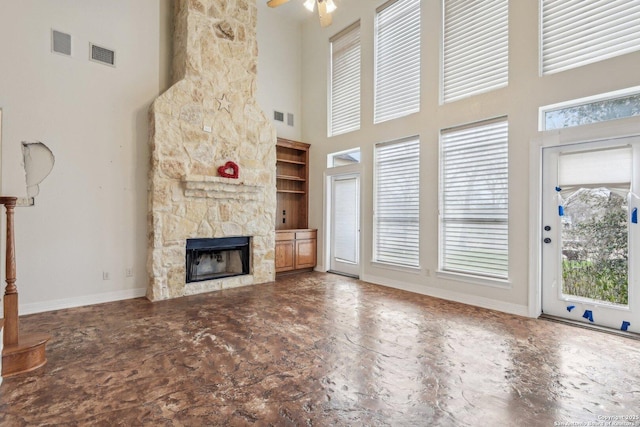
<point>26,352</point>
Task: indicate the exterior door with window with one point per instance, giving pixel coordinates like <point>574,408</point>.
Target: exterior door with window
<point>345,224</point>
<point>590,254</point>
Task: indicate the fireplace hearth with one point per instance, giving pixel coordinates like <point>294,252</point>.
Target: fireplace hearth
<point>210,259</point>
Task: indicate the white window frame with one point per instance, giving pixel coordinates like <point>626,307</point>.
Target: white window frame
<point>398,205</point>
<point>477,277</point>
<point>397,77</point>
<point>542,111</point>
<point>474,48</point>
<point>344,82</point>
<point>331,157</point>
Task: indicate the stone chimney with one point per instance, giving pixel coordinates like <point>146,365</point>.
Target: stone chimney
<point>210,117</point>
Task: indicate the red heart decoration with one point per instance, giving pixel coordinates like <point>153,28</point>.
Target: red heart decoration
<point>229,170</point>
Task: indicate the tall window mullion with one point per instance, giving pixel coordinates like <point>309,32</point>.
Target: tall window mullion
<point>474,200</point>
<point>345,81</point>
<point>397,60</point>
<point>475,47</point>
<point>578,32</point>
<point>397,202</point>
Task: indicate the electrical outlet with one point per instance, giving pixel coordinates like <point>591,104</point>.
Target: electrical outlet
<point>105,275</point>
<point>129,272</point>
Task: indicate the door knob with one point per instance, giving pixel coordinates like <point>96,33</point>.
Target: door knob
<point>547,228</point>
<point>547,240</point>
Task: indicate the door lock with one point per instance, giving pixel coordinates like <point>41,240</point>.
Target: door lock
<point>547,228</point>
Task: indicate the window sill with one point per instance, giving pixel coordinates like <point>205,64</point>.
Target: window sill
<point>397,267</point>
<point>475,280</point>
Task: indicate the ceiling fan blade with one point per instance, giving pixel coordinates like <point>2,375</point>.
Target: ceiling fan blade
<point>276,3</point>
<point>325,17</point>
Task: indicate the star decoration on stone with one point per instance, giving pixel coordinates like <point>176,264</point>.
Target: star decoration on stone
<point>224,104</point>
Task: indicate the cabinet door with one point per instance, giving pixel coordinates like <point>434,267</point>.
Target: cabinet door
<point>305,253</point>
<point>284,255</point>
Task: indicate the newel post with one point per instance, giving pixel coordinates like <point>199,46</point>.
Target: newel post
<point>10,292</point>
<point>20,353</point>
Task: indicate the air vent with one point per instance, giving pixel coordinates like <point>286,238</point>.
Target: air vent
<point>60,42</point>
<point>102,55</point>
<point>278,116</point>
<point>290,119</point>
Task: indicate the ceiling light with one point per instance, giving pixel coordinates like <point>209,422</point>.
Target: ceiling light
<point>325,8</point>
<point>310,4</point>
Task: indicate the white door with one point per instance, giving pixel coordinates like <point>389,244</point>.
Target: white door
<point>591,247</point>
<point>345,224</point>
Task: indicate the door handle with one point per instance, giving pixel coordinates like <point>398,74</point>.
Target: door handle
<point>547,240</point>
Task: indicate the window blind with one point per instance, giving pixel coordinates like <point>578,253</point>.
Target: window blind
<point>606,167</point>
<point>397,200</point>
<point>346,220</point>
<point>578,32</point>
<point>397,60</point>
<point>345,81</point>
<point>474,199</point>
<point>475,47</point>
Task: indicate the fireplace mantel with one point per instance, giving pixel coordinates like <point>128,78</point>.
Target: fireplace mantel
<point>220,188</point>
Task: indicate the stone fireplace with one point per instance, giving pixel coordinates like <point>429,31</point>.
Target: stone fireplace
<point>207,119</point>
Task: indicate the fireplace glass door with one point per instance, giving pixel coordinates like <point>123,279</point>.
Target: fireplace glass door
<point>209,259</point>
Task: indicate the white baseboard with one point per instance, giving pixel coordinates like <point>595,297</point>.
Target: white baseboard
<point>39,307</point>
<point>488,303</point>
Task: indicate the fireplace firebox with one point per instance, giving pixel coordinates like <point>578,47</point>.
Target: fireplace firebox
<point>209,259</point>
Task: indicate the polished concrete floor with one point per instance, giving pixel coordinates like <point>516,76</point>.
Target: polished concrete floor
<point>319,350</point>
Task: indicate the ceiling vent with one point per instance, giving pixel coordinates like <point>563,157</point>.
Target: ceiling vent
<point>60,42</point>
<point>102,55</point>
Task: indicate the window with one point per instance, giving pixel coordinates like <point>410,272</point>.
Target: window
<point>343,158</point>
<point>474,203</point>
<point>397,60</point>
<point>578,32</point>
<point>475,47</point>
<point>594,184</point>
<point>397,213</point>
<point>600,108</point>
<point>345,81</point>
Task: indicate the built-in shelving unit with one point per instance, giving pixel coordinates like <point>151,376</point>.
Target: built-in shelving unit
<point>292,173</point>
<point>295,243</point>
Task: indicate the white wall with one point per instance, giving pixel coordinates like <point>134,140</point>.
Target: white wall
<point>90,215</point>
<point>279,79</point>
<point>519,101</point>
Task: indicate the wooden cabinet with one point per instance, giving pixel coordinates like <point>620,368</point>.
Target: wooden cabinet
<point>295,250</point>
<point>305,256</point>
<point>295,243</point>
<point>285,251</point>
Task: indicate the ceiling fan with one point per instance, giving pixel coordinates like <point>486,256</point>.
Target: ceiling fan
<point>325,8</point>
